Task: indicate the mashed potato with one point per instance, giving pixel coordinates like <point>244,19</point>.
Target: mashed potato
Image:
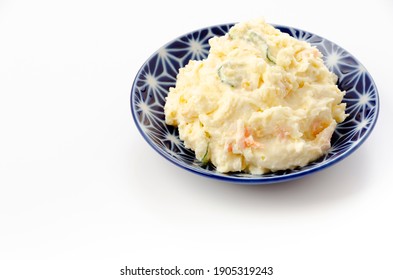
<point>262,101</point>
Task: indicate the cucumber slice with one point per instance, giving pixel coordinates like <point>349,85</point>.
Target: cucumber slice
<point>205,158</point>
<point>223,78</point>
<point>226,75</point>
<point>260,42</point>
<point>230,73</point>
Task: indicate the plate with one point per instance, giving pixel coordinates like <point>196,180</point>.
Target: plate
<point>159,72</point>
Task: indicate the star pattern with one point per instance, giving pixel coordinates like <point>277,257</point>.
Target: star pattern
<point>159,73</point>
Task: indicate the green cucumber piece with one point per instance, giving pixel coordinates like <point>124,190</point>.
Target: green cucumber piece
<point>232,73</point>
<point>222,73</point>
<point>260,42</point>
<point>223,78</point>
<point>205,158</point>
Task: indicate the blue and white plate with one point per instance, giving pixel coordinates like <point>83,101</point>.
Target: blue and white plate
<point>159,73</point>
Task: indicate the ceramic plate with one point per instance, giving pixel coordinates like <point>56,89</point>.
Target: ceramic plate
<point>159,72</point>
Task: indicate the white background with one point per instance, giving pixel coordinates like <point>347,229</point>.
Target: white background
<point>82,194</point>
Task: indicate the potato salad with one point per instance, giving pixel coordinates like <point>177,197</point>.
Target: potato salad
<point>261,101</point>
